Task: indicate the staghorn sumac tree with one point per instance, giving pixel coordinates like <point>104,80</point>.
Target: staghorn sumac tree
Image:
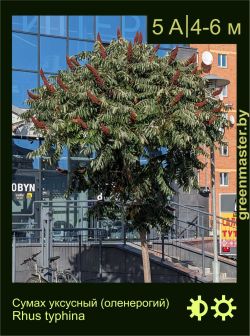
<point>126,104</point>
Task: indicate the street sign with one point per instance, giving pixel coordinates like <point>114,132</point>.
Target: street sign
<point>228,234</point>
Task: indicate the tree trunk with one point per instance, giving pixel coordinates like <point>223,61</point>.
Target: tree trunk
<point>145,256</point>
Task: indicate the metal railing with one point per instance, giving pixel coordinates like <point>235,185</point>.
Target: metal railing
<point>190,242</point>
<point>174,244</point>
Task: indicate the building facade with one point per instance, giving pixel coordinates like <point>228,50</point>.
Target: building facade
<point>224,66</point>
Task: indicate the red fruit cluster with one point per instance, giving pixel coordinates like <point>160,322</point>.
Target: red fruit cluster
<point>156,48</point>
<point>177,98</point>
<point>129,52</point>
<point>138,38</point>
<point>201,104</point>
<point>71,65</point>
<point>119,34</point>
<point>173,55</point>
<point>191,60</point>
<point>133,117</point>
<point>217,92</point>
<point>80,122</point>
<point>176,76</point>
<point>217,109</point>
<point>105,129</point>
<point>39,124</point>
<point>98,38</point>
<point>45,81</point>
<point>32,95</point>
<point>49,86</point>
<point>206,68</point>
<point>195,70</point>
<point>98,79</point>
<point>74,61</point>
<point>103,52</point>
<point>212,120</point>
<point>93,98</point>
<point>61,84</point>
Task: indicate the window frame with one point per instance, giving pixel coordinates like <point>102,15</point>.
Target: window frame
<point>47,30</point>
<point>24,28</point>
<point>42,36</point>
<point>225,91</point>
<point>222,179</point>
<point>222,147</point>
<point>60,45</point>
<point>29,39</point>
<point>220,58</point>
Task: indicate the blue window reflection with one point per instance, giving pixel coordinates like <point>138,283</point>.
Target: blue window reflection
<point>20,149</point>
<point>167,46</point>
<point>172,46</point>
<point>222,60</point>
<point>81,27</point>
<point>107,26</point>
<point>24,51</point>
<point>75,47</point>
<point>132,24</point>
<point>53,54</point>
<point>25,23</point>
<point>144,159</point>
<point>53,25</point>
<point>21,82</point>
<point>62,163</point>
<point>162,52</point>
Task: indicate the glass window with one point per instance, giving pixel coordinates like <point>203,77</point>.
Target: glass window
<point>54,185</point>
<point>81,27</point>
<point>162,53</point>
<point>132,24</point>
<point>62,163</point>
<point>224,150</point>
<point>53,54</point>
<point>169,46</point>
<point>224,179</point>
<point>107,26</point>
<point>21,82</point>
<point>224,91</point>
<point>20,150</point>
<point>75,47</point>
<point>24,51</point>
<point>222,60</point>
<point>53,25</point>
<point>227,202</point>
<point>172,46</point>
<point>24,23</point>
